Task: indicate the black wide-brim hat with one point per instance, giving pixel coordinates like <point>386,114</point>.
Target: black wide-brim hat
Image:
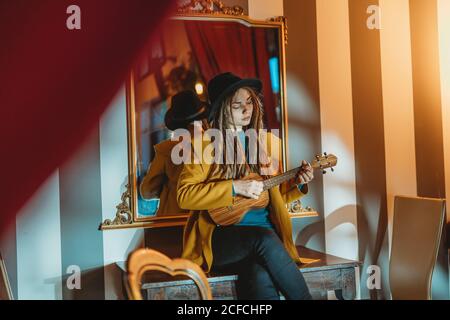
<point>186,107</point>
<point>225,84</point>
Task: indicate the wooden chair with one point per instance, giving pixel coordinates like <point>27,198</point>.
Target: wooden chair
<point>143,260</point>
<point>416,234</point>
<point>5,286</point>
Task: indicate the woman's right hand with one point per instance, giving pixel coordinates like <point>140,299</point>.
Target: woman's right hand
<point>248,188</point>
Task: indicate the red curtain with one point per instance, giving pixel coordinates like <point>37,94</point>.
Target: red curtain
<point>231,47</point>
<point>56,82</point>
<point>222,47</point>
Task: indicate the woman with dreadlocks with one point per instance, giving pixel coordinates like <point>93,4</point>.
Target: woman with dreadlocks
<point>259,248</point>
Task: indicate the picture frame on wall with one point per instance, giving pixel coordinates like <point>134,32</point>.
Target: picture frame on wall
<point>5,286</point>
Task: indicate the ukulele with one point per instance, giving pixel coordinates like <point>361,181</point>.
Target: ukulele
<point>233,214</point>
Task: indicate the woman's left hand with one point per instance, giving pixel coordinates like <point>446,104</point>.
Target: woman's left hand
<point>305,174</point>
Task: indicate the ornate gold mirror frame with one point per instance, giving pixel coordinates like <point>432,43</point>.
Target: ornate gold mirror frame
<point>209,10</point>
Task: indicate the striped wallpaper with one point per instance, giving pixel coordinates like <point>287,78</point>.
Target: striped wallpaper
<point>377,98</point>
<point>384,110</point>
<point>57,230</point>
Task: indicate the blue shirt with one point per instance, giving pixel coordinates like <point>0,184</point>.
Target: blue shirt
<point>256,217</point>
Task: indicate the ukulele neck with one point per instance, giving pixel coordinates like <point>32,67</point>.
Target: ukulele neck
<point>280,178</point>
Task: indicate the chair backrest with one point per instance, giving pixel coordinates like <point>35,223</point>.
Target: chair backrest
<point>5,286</point>
<point>143,260</point>
<point>416,234</point>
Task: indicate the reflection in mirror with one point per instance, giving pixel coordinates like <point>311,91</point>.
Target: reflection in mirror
<point>185,56</point>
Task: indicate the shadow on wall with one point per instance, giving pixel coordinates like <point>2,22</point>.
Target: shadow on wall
<point>56,283</point>
<point>370,252</point>
<point>440,277</point>
<point>91,285</point>
<point>137,242</point>
<point>373,246</point>
<point>168,240</point>
<point>334,219</point>
<point>304,136</point>
<point>372,221</point>
<point>310,232</point>
<point>116,289</point>
<point>343,216</point>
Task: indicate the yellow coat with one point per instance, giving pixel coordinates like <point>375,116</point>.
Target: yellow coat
<point>199,195</point>
<point>161,180</point>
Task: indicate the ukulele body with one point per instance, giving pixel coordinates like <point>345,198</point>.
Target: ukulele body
<point>233,214</point>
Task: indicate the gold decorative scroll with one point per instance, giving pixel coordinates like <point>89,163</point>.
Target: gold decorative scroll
<point>283,20</point>
<point>210,7</point>
<point>123,214</point>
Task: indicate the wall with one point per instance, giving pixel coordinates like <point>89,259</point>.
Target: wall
<point>382,107</point>
<point>58,227</point>
<point>303,103</point>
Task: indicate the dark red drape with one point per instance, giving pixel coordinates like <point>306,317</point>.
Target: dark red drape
<point>231,47</point>
<point>55,82</point>
<point>263,72</point>
<point>222,47</point>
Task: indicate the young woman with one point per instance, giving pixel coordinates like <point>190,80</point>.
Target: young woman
<point>162,175</point>
<point>259,248</point>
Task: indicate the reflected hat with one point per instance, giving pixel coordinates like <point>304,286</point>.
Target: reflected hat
<point>225,84</point>
<point>186,107</point>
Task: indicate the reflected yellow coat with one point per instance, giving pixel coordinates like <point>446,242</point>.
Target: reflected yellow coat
<point>161,180</point>
<point>199,195</point>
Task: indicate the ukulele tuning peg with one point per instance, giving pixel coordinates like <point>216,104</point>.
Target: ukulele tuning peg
<point>332,170</point>
<point>324,172</point>
<point>325,154</point>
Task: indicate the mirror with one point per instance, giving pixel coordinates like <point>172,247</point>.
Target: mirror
<point>190,50</point>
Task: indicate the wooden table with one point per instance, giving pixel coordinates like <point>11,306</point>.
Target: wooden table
<point>329,273</point>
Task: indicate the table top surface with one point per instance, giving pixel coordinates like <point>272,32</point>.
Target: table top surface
<point>322,262</point>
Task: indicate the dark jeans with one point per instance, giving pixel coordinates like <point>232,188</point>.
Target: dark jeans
<point>262,263</point>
